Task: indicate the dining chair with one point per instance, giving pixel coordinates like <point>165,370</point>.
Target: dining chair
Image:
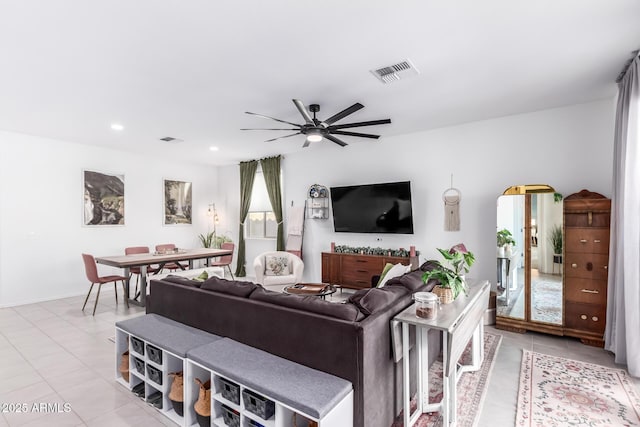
<point>132,250</point>
<point>225,260</point>
<point>171,266</point>
<point>91,270</point>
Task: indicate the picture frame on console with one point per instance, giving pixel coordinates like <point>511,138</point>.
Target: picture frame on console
<point>177,202</point>
<point>103,198</point>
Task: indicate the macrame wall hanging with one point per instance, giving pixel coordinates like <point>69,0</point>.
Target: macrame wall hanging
<point>451,198</point>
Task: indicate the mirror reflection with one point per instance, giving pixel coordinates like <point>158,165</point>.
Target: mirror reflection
<point>529,257</point>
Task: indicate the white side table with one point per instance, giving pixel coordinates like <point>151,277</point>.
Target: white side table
<point>459,322</point>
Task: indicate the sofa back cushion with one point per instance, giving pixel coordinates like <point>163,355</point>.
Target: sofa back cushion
<point>182,281</point>
<point>372,301</point>
<point>230,287</point>
<point>310,304</point>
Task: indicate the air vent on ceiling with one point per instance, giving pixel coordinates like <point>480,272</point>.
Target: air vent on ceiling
<point>392,73</point>
<point>170,139</point>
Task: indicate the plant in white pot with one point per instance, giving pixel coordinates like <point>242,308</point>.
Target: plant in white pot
<point>504,238</point>
<point>450,277</point>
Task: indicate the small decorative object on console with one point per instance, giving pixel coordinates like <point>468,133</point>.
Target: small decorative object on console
<point>426,305</point>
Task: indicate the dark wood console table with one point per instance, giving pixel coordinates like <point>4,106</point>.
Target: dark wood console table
<point>355,271</point>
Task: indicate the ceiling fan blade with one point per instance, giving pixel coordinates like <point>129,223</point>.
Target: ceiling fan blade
<point>272,118</point>
<point>342,114</point>
<point>336,140</point>
<point>306,143</point>
<point>268,129</point>
<point>303,110</point>
<point>362,135</point>
<point>281,137</point>
<point>360,124</point>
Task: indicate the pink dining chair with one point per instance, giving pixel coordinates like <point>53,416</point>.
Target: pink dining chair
<point>225,260</point>
<point>91,269</point>
<point>132,250</point>
<point>171,266</point>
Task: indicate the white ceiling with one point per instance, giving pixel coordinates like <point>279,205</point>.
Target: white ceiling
<point>190,68</point>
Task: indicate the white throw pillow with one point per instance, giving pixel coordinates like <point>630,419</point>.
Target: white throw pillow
<point>395,271</point>
<point>276,265</point>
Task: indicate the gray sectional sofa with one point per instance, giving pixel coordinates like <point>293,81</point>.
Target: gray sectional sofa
<point>351,340</point>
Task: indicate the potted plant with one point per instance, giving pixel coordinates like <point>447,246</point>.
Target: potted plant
<point>207,239</point>
<point>450,277</point>
<point>504,238</point>
<point>555,238</point>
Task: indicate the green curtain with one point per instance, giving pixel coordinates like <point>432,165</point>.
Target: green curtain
<point>247,176</point>
<point>271,173</point>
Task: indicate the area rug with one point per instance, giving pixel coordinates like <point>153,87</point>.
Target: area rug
<point>546,291</point>
<point>555,392</point>
<point>472,387</point>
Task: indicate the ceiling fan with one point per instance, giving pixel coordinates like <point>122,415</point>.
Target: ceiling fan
<point>316,130</point>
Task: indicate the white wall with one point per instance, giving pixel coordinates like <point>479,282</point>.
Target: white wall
<point>570,148</point>
<point>41,231</point>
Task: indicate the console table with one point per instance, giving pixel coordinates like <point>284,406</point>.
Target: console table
<point>459,322</point>
<point>355,270</point>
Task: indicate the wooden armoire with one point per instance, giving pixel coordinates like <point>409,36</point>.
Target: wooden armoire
<point>587,218</point>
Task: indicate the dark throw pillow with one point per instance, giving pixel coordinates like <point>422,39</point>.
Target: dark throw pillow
<point>371,301</point>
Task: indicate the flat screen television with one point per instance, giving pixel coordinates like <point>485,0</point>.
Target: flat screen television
<point>373,208</point>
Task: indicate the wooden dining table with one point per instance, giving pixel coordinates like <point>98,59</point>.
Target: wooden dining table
<point>143,261</point>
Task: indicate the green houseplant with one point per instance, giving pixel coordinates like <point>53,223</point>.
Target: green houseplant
<point>555,238</point>
<point>212,240</point>
<point>504,237</point>
<point>450,276</point>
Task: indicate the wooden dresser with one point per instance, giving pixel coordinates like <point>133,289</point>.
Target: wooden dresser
<point>587,217</point>
<point>355,271</point>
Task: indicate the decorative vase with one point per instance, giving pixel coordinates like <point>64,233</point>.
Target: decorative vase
<point>500,252</point>
<point>176,395</point>
<point>508,250</point>
<point>203,404</point>
<point>445,294</point>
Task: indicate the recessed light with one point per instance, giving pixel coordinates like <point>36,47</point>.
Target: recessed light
<point>117,126</point>
<point>213,148</point>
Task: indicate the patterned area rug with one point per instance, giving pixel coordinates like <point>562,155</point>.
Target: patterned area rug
<point>556,392</point>
<point>546,291</point>
<point>472,387</point>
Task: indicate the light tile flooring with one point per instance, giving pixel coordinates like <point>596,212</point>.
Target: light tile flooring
<point>53,353</point>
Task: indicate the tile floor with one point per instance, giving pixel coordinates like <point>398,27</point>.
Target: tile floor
<point>53,353</point>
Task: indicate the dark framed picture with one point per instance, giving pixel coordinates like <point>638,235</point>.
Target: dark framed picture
<point>103,200</point>
<point>177,202</point>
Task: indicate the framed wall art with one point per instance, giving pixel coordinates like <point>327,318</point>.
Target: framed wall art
<point>103,199</point>
<point>177,202</point>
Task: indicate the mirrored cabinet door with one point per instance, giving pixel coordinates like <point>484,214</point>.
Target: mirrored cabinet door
<point>529,265</point>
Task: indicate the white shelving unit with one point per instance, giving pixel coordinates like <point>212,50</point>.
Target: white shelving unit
<point>318,208</point>
<point>170,363</point>
<point>341,415</point>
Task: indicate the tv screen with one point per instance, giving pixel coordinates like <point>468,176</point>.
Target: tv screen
<point>373,208</point>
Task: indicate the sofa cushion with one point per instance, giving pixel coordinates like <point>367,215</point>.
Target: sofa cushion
<point>275,265</point>
<point>182,281</point>
<point>371,301</point>
<point>229,287</point>
<point>310,304</point>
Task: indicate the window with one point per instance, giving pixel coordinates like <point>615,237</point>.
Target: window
<point>261,221</point>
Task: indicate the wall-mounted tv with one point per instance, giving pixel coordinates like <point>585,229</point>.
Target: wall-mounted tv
<point>373,208</point>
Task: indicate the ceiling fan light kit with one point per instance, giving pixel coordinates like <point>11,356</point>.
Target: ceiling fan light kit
<point>316,130</point>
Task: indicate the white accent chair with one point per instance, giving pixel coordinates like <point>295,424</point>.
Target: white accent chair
<point>291,276</point>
